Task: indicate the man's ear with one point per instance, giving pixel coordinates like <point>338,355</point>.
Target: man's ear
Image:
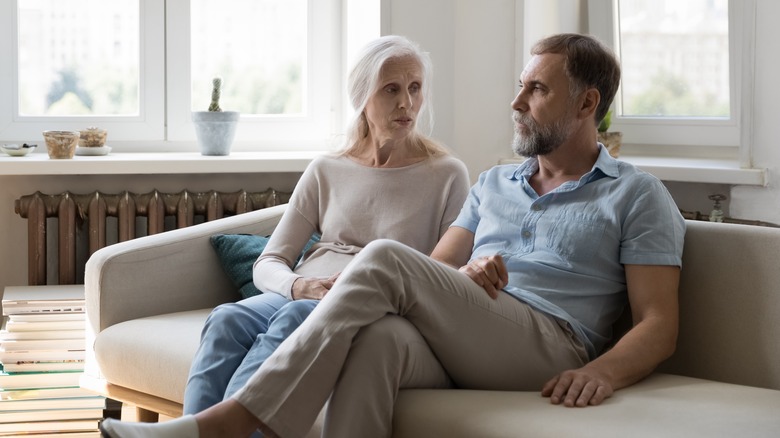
<point>590,103</point>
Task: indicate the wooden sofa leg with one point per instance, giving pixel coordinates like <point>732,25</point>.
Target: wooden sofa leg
<point>146,416</point>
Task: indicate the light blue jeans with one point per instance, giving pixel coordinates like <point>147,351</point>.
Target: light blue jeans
<point>236,340</point>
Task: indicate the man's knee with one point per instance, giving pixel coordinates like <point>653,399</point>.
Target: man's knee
<point>389,334</point>
<point>383,246</point>
<point>394,346</point>
<point>382,252</point>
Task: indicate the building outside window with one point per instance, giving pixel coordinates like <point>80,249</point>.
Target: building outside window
<point>139,67</point>
<point>687,74</point>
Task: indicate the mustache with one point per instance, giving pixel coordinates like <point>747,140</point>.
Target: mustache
<point>517,117</point>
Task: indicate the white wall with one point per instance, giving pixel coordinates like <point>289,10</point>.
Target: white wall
<point>763,203</point>
<point>472,45</point>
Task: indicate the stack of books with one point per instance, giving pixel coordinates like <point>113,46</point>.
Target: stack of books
<point>42,354</point>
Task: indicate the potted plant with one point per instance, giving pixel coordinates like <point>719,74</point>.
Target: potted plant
<point>611,140</point>
<point>215,129</point>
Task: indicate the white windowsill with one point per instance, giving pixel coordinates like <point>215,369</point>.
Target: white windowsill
<point>715,171</point>
<point>694,170</point>
<point>39,163</point>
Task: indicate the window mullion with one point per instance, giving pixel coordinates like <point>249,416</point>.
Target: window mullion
<point>178,77</point>
<point>743,65</point>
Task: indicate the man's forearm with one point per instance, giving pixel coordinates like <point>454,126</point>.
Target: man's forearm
<point>638,352</point>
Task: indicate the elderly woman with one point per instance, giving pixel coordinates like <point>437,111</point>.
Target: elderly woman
<point>390,181</point>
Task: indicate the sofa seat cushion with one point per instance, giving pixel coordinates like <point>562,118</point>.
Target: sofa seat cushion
<point>663,405</point>
<point>153,354</point>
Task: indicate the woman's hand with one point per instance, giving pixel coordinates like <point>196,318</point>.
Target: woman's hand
<point>489,272</point>
<point>312,288</point>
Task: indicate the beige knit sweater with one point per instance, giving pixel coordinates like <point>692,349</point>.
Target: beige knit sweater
<point>349,205</point>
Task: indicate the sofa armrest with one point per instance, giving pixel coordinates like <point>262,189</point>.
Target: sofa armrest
<point>729,305</point>
<point>174,271</point>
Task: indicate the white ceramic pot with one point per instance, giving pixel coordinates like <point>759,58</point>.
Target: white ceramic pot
<point>215,131</point>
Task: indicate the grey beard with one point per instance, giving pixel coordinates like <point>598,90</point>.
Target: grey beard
<point>541,139</point>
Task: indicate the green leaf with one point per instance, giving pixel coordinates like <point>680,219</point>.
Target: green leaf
<point>605,122</point>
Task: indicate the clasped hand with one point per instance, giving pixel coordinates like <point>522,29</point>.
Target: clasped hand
<point>488,272</point>
<point>312,288</point>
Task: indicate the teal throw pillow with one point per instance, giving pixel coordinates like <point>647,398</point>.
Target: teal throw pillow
<point>237,254</point>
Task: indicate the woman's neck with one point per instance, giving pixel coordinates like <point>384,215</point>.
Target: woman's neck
<point>389,153</point>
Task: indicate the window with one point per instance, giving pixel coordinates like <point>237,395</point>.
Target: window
<point>67,68</point>
<point>259,52</point>
<point>675,59</point>
<point>139,67</point>
<point>72,64</point>
<point>280,65</point>
<point>686,71</point>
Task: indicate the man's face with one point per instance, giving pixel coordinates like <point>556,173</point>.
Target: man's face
<point>543,110</point>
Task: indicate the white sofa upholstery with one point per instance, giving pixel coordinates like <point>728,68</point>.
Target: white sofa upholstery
<point>147,300</point>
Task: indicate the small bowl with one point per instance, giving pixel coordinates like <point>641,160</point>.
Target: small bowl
<point>15,150</point>
<point>93,137</point>
<point>61,144</point>
<point>93,151</point>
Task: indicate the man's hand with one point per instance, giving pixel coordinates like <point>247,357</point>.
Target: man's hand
<point>581,387</point>
<point>312,288</point>
<point>488,272</point>
<point>652,295</point>
<point>454,249</point>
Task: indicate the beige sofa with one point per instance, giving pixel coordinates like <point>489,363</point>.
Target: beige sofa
<point>148,298</point>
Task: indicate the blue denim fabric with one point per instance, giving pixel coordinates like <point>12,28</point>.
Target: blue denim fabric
<point>230,332</point>
<point>281,325</point>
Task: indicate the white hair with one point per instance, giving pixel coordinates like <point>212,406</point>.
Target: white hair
<point>364,78</point>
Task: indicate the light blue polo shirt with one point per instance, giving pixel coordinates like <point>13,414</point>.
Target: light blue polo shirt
<point>565,250</point>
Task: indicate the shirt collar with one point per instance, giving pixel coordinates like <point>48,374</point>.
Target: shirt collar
<point>606,163</point>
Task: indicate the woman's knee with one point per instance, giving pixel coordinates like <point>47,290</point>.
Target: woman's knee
<point>224,315</point>
<point>250,312</point>
<point>294,312</point>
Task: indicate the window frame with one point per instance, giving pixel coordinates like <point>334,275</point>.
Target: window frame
<point>312,130</point>
<point>164,121</point>
<point>148,125</point>
<point>694,136</point>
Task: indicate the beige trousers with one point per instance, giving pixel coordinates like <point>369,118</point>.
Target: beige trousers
<point>397,319</point>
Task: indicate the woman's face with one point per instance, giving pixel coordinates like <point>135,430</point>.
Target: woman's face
<point>392,110</point>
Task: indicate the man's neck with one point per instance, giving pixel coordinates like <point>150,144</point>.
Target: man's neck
<point>569,162</point>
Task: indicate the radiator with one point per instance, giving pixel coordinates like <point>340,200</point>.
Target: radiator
<point>70,215</point>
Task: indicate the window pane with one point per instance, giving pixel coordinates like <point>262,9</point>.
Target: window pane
<point>675,58</point>
<point>78,57</point>
<point>257,47</point>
